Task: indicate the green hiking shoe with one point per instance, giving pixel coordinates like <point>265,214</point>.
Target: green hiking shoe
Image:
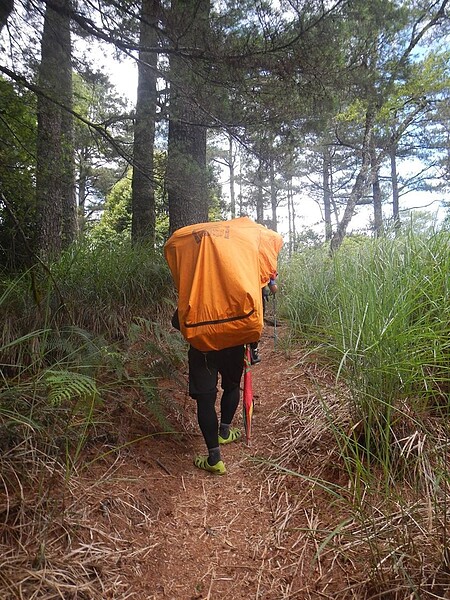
<point>233,436</point>
<point>202,463</point>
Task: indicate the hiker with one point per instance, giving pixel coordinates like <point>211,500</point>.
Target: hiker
<point>204,368</point>
<point>219,269</point>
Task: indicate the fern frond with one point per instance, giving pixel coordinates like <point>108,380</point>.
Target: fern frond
<point>67,385</point>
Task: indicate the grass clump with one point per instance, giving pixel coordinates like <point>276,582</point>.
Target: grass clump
<point>97,290</point>
<point>70,333</point>
<point>386,531</point>
<point>380,310</point>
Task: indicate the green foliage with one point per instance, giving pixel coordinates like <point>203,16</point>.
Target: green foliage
<point>380,309</point>
<point>17,164</point>
<point>307,238</point>
<point>60,377</point>
<point>66,385</point>
<point>166,348</point>
<point>99,163</point>
<point>307,278</point>
<point>109,285</point>
<point>95,289</point>
<point>114,225</point>
<point>155,405</point>
<point>421,222</point>
<point>116,219</point>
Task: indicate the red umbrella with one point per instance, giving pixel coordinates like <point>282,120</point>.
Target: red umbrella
<point>247,398</point>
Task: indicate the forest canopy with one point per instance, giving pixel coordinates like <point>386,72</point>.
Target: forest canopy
<point>241,108</point>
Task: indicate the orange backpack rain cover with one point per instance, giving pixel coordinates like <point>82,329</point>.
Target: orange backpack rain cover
<point>219,270</point>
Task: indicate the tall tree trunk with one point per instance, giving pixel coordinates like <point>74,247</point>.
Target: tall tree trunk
<point>273,194</point>
<point>69,197</point>
<point>361,183</point>
<point>55,166</point>
<point>259,194</point>
<point>82,189</point>
<point>326,182</point>
<point>187,176</point>
<point>232,178</point>
<point>376,192</point>
<point>359,186</point>
<point>291,216</point>
<point>240,198</point>
<point>143,193</point>
<point>394,183</point>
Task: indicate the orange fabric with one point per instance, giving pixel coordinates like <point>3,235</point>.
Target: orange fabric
<point>219,269</point>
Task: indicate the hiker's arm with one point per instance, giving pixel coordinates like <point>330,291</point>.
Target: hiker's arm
<point>273,287</point>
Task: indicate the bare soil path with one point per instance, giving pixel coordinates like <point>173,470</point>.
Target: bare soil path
<point>183,534</point>
<point>135,520</point>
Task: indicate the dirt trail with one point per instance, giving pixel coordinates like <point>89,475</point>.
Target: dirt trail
<point>137,521</point>
<point>190,535</point>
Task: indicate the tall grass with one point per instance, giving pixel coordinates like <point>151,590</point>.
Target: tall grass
<point>379,313</point>
<point>108,285</point>
<point>68,327</point>
<point>97,290</point>
<point>381,310</point>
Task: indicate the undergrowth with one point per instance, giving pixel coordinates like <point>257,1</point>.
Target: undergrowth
<point>83,343</point>
<point>378,313</point>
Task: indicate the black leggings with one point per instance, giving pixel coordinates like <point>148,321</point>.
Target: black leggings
<point>207,416</point>
<point>204,369</point>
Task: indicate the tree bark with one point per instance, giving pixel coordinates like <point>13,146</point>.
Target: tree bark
<point>359,186</point>
<point>291,217</point>
<point>232,179</point>
<point>6,8</point>
<point>259,194</point>
<point>56,216</point>
<point>82,189</point>
<point>143,218</point>
<point>273,194</point>
<point>376,192</point>
<point>361,183</point>
<point>240,198</point>
<point>326,170</point>
<point>394,184</point>
<point>187,177</point>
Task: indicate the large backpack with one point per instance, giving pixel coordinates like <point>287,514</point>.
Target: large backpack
<point>219,269</point>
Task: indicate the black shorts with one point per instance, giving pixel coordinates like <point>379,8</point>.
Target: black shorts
<point>204,368</point>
